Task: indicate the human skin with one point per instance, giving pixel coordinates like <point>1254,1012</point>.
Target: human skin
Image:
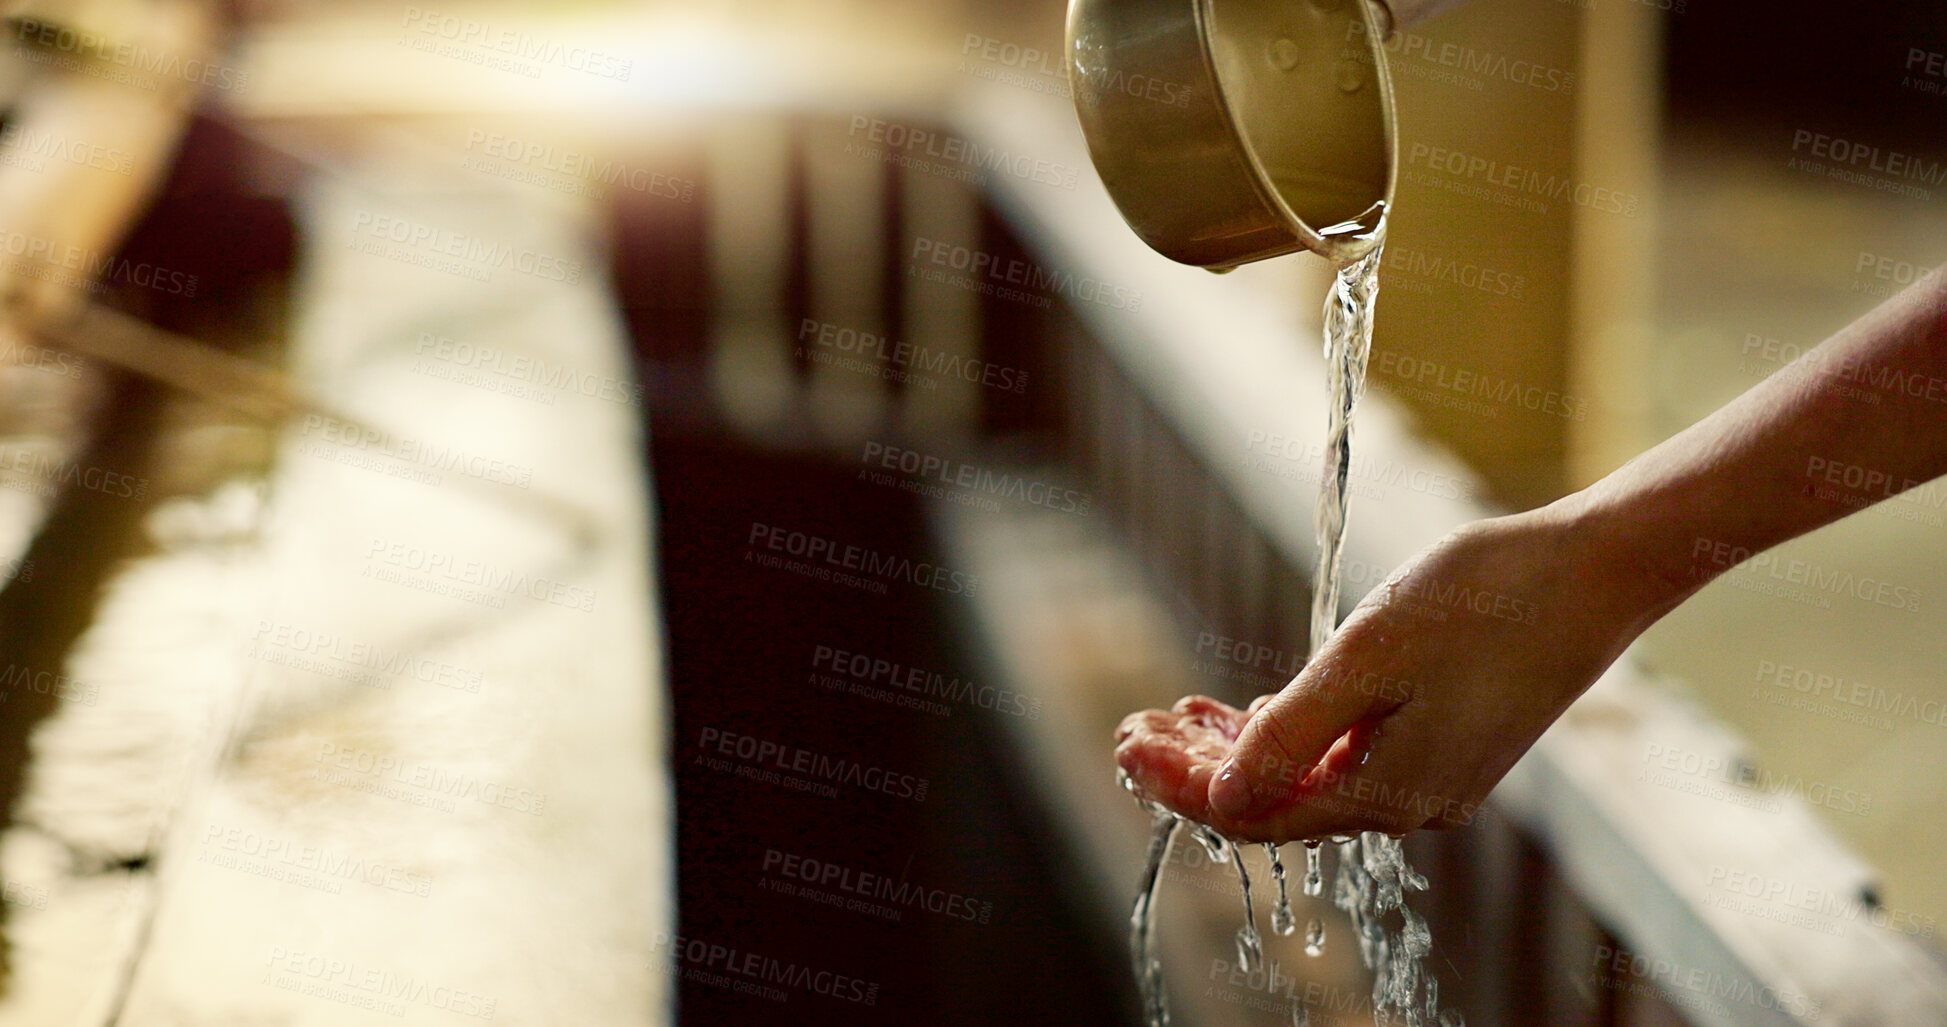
<point>1418,706</point>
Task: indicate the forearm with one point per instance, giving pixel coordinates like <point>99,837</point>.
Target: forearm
<point>1859,419</point>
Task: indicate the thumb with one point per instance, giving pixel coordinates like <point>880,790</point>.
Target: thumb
<point>1291,734</point>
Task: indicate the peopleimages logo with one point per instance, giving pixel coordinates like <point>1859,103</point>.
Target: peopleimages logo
<point>1520,182</point>
<point>1014,55</point>
<point>1926,71</point>
<point>1437,597</point>
<point>864,670</point>
<point>881,889</point>
<point>517,43</point>
<point>1251,656</point>
<point>908,356</point>
<point>1872,158</point>
<point>44,471</point>
<point>1866,166</point>
<point>1827,909</point>
<point>19,679</point>
<point>1466,274</point>
<point>309,866</point>
<point>470,256</point>
<point>1432,374</point>
<point>384,662</point>
<point>1749,784</point>
<point>364,986</point>
<point>1869,381</point>
<point>1455,56</point>
<point>471,580</point>
<point>1771,569</point>
<point>89,269</point>
<point>575,164</point>
<point>25,139</point>
<point>525,368</point>
<point>819,551</point>
<point>982,265</point>
<point>762,759</point>
<point>436,780</point>
<point>1847,699</point>
<point>15,353</point>
<point>964,152</point>
<point>715,964</point>
<point>160,63</point>
<point>435,456</point>
<point>1692,987</point>
<point>1858,487</point>
<point>928,468</point>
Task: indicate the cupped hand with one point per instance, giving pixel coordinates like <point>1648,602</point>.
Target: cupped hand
<point>1420,703</point>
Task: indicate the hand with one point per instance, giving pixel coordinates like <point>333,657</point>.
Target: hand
<point>1427,694</point>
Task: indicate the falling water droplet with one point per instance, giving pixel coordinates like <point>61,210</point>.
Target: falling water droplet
<point>1315,937</point>
<point>1250,946</point>
<point>1281,919</point>
<point>1314,877</point>
<point>1249,949</point>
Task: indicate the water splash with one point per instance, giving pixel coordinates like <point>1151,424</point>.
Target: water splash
<point>1372,875</point>
<point>1372,882</point>
<point>1214,844</point>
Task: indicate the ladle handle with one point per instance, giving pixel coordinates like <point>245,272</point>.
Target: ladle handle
<point>1404,14</point>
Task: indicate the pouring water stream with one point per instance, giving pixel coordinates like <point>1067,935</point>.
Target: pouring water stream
<point>1372,876</point>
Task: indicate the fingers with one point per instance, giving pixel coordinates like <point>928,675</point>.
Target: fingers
<point>1371,776</point>
<point>1362,784</point>
<point>1166,770</point>
<point>1172,754</point>
<point>1204,706</point>
<point>1328,815</point>
<point>1291,734</point>
<point>1136,721</point>
<point>1394,791</point>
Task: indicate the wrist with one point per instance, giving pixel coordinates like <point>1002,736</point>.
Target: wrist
<point>1633,569</point>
